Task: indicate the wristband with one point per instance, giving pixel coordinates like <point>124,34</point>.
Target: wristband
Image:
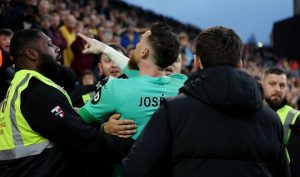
<point>116,57</point>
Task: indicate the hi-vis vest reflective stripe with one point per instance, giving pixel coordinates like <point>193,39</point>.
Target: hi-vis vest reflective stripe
<point>288,116</point>
<point>87,97</point>
<point>17,139</point>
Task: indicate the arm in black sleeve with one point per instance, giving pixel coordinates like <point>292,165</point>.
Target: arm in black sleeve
<point>294,148</point>
<point>151,153</point>
<point>49,113</point>
<point>67,78</point>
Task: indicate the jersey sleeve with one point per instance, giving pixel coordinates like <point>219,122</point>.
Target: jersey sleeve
<point>117,57</point>
<point>101,106</point>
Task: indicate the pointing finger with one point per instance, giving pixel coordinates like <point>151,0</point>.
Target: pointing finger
<point>84,37</point>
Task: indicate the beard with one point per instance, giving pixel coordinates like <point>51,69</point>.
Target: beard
<point>274,103</point>
<point>49,67</point>
<point>132,64</point>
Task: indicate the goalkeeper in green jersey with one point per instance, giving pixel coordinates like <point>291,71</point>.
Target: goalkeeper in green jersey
<point>136,98</point>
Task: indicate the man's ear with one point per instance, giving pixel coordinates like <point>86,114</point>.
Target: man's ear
<point>145,53</point>
<point>32,54</point>
<point>197,63</point>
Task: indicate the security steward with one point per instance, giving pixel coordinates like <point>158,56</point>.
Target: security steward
<point>40,133</point>
<point>275,86</point>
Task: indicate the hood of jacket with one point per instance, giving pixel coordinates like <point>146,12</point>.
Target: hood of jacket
<point>226,89</point>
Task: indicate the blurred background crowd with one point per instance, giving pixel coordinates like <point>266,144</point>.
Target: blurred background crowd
<point>113,22</point>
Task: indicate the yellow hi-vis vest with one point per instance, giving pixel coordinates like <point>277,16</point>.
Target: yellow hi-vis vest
<point>288,116</point>
<point>87,97</point>
<point>17,139</point>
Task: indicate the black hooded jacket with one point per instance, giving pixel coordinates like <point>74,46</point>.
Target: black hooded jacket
<point>217,126</point>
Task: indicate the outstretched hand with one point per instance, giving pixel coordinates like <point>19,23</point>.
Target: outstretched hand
<point>92,46</point>
<point>124,128</point>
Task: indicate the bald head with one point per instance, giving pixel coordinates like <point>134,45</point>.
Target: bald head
<point>70,22</point>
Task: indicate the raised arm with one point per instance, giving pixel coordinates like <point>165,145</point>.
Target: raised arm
<point>94,46</point>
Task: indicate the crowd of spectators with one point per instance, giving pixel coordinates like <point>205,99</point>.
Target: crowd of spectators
<point>257,59</point>
<point>115,21</point>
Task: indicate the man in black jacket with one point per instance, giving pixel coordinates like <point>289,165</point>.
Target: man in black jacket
<point>217,126</point>
<point>40,133</point>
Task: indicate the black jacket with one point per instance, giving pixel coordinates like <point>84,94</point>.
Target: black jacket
<point>217,126</point>
<point>294,148</point>
<point>80,150</point>
<point>293,145</point>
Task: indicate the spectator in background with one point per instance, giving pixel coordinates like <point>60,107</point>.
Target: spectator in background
<point>104,9</point>
<point>217,126</point>
<point>94,24</point>
<point>24,16</point>
<point>6,13</point>
<point>87,78</point>
<point>81,62</point>
<point>275,87</point>
<point>293,93</point>
<point>184,69</point>
<point>68,32</point>
<point>105,35</point>
<point>185,45</point>
<point>130,37</point>
<point>294,66</point>
<point>107,67</point>
<point>175,67</point>
<point>116,40</point>
<point>86,90</point>
<point>43,8</point>
<point>57,37</point>
<point>64,12</point>
<point>45,25</point>
<point>6,64</point>
<point>5,38</point>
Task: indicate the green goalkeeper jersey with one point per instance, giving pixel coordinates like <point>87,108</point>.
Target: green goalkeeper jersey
<point>135,98</point>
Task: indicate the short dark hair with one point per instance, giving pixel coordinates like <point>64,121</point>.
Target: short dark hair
<point>219,46</point>
<point>21,40</point>
<point>164,43</point>
<point>6,32</point>
<point>274,70</point>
